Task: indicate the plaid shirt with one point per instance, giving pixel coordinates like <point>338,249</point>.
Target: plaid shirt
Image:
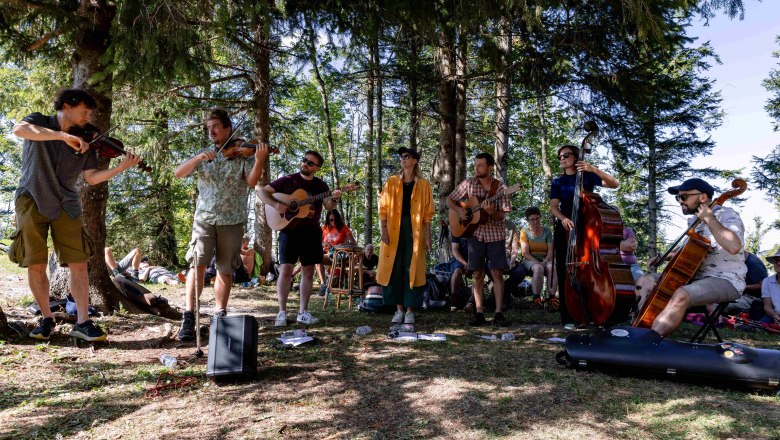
<point>493,229</point>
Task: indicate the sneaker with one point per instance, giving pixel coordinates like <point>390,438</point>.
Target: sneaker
<point>398,317</point>
<point>43,331</point>
<point>409,318</point>
<point>477,319</point>
<point>221,313</point>
<point>570,326</point>
<point>305,318</point>
<point>499,320</point>
<point>323,288</point>
<point>187,331</point>
<point>281,319</point>
<point>88,331</point>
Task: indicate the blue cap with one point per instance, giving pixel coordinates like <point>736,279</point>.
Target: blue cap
<point>695,183</point>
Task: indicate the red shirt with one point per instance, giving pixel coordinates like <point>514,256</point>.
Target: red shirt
<point>333,236</point>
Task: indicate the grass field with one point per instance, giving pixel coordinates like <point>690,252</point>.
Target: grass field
<point>347,386</point>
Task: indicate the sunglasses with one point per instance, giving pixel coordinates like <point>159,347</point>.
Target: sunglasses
<point>684,197</point>
<point>565,155</point>
<point>406,156</point>
<point>534,219</point>
<point>309,162</point>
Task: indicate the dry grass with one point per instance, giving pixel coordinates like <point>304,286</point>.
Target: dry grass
<point>352,387</point>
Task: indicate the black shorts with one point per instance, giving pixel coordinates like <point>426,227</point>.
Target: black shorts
<point>302,243</point>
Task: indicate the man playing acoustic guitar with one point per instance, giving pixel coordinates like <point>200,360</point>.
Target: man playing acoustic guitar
<point>487,241</point>
<point>220,214</point>
<point>301,239</point>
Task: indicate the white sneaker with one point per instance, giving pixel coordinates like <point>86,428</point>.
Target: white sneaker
<point>409,318</point>
<point>398,317</point>
<point>281,319</point>
<point>306,318</point>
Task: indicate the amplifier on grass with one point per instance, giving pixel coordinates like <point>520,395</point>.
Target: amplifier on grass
<point>232,348</point>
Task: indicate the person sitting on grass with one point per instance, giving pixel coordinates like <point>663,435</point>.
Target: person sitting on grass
<point>770,292</point>
<point>156,274</point>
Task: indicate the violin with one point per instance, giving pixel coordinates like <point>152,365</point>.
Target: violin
<point>106,146</point>
<point>240,148</point>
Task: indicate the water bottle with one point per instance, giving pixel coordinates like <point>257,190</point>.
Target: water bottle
<point>297,333</point>
<point>508,337</point>
<point>363,330</point>
<point>169,360</point>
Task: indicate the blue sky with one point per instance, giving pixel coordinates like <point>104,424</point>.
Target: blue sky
<point>745,48</point>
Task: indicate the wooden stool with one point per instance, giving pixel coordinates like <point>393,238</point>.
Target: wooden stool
<point>346,274</point>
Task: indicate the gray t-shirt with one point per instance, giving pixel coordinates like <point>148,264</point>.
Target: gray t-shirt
<point>50,171</point>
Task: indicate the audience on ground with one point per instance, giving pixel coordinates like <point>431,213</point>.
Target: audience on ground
<point>536,248</point>
<point>770,292</point>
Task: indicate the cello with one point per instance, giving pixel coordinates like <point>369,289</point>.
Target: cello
<point>599,287</point>
<point>683,265</point>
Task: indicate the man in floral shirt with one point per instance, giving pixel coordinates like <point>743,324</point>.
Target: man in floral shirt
<point>220,213</point>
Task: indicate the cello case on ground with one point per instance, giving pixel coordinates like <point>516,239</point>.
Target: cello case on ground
<point>641,351</point>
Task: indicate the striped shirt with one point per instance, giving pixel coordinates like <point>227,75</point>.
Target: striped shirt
<point>493,229</point>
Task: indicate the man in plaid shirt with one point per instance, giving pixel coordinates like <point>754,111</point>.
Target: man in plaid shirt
<point>487,242</point>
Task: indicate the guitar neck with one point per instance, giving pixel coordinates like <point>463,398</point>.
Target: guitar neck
<point>313,199</point>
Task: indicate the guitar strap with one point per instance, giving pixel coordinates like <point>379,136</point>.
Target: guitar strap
<point>493,188</point>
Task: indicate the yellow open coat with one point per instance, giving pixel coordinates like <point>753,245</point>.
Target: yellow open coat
<point>422,213</point>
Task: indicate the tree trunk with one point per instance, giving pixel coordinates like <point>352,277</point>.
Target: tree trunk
<point>444,173</point>
<point>378,106</point>
<point>4,329</point>
<point>414,106</point>
<point>325,100</point>
<point>545,141</point>
<point>503,90</point>
<point>460,107</point>
<point>368,224</point>
<point>263,240</point>
<point>652,190</point>
<point>163,250</point>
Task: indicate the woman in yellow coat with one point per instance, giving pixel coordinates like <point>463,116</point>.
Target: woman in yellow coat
<point>405,214</point>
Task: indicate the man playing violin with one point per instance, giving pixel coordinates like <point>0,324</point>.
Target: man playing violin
<point>220,213</point>
<point>721,276</point>
<point>52,162</point>
<point>488,240</point>
<point>302,241</point>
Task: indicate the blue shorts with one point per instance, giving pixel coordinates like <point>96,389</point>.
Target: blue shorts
<point>455,265</point>
<point>494,251</point>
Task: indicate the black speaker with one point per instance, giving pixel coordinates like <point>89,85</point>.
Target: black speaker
<point>232,347</point>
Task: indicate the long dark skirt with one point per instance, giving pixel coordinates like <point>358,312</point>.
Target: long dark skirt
<point>397,290</point>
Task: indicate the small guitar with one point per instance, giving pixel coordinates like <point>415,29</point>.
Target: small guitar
<point>298,207</point>
<point>464,228</point>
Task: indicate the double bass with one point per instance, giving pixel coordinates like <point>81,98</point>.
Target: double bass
<point>599,287</point>
<point>683,266</point>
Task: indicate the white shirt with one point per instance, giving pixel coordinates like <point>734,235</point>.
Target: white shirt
<point>770,288</point>
<point>720,263</point>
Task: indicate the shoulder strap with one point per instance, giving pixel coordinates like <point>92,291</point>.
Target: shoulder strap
<point>493,188</point>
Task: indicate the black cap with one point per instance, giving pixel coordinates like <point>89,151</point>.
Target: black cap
<point>694,183</point>
<point>410,151</point>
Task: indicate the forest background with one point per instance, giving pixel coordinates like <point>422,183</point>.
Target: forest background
<point>357,80</point>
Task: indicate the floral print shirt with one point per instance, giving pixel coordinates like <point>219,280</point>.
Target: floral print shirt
<point>222,190</point>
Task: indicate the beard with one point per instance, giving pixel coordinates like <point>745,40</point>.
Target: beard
<point>690,211</point>
<point>306,171</point>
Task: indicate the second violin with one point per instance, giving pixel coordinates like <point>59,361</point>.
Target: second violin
<point>241,148</point>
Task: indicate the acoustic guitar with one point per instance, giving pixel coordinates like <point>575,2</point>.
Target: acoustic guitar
<point>465,228</point>
<point>298,207</point>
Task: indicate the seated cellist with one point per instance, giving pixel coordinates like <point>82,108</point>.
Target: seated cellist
<point>721,276</point>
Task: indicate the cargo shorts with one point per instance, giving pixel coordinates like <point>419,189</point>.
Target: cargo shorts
<point>29,247</point>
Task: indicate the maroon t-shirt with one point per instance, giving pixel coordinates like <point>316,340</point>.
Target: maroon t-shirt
<point>292,182</point>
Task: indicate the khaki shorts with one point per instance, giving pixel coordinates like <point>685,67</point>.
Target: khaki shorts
<point>71,242</point>
<point>711,290</point>
<point>224,241</point>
